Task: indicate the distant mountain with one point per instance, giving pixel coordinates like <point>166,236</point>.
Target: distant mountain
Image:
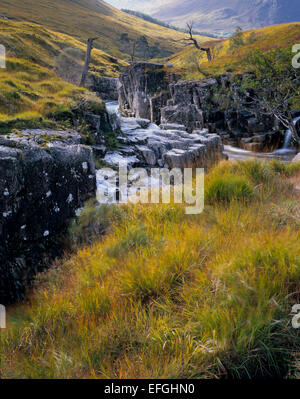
<point>223,16</point>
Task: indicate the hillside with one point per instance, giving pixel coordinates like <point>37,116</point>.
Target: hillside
<point>40,45</point>
<point>93,18</point>
<point>227,57</point>
<point>30,91</point>
<point>223,16</point>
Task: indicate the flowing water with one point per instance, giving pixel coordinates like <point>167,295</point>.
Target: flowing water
<point>284,154</point>
<point>235,153</point>
<point>288,136</point>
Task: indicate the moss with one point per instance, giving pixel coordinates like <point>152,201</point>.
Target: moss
<point>62,114</point>
<point>111,139</point>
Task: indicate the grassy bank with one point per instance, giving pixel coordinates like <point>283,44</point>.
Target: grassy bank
<point>163,294</point>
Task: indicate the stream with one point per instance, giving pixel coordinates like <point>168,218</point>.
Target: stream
<point>238,154</point>
<point>284,154</point>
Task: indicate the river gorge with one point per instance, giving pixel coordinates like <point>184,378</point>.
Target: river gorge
<point>159,121</point>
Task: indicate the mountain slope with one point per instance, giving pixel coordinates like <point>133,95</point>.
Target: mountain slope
<point>31,94</point>
<point>37,44</point>
<point>190,60</point>
<point>89,18</point>
<point>223,16</point>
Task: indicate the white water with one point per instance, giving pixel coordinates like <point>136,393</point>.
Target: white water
<point>288,136</point>
<point>284,154</point>
<point>113,107</point>
<point>286,149</point>
<point>238,154</point>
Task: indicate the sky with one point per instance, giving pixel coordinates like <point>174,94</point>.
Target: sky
<point>139,5</point>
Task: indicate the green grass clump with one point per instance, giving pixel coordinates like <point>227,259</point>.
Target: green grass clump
<point>228,188</point>
<point>151,292</point>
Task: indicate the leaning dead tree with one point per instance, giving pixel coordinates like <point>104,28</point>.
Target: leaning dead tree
<point>87,61</point>
<point>132,51</point>
<point>194,42</point>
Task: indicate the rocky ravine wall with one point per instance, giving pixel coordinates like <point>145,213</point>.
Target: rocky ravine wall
<point>44,177</point>
<point>105,87</point>
<point>149,91</point>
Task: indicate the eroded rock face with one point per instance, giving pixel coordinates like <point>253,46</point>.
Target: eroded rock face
<point>261,142</point>
<point>44,177</point>
<point>164,99</point>
<point>105,87</point>
<point>139,83</point>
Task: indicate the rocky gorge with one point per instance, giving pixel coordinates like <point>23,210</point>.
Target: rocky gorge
<point>158,121</point>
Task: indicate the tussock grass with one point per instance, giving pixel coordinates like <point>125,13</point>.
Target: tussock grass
<point>228,188</point>
<point>163,294</point>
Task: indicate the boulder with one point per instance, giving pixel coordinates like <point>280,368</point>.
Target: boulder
<point>99,124</point>
<point>188,99</point>
<point>148,155</point>
<point>190,115</point>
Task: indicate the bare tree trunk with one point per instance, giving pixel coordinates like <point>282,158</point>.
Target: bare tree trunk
<point>87,61</point>
<point>209,55</point>
<point>195,42</point>
<point>133,50</point>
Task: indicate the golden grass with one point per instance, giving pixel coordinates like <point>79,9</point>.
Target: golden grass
<point>30,90</point>
<point>168,295</point>
<point>37,44</point>
<point>32,96</point>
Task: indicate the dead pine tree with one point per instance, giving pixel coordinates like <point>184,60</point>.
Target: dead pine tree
<point>87,61</point>
<point>194,42</point>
